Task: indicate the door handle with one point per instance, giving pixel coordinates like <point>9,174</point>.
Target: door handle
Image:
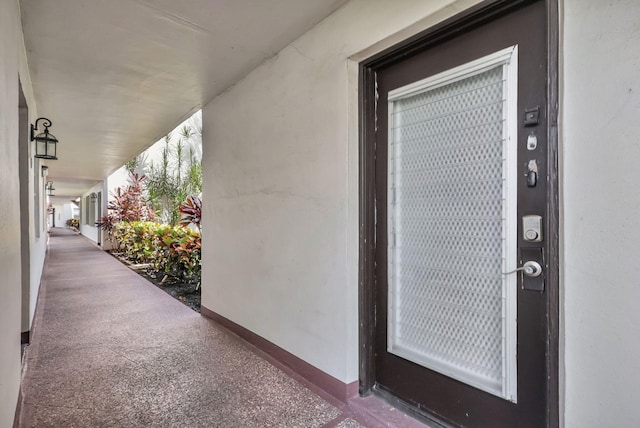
<point>531,269</point>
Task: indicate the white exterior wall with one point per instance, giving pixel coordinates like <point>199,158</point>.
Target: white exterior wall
<point>64,212</point>
<point>90,230</point>
<point>120,178</point>
<point>38,239</point>
<point>33,231</point>
<point>10,280</point>
<point>600,123</point>
<point>13,68</point>
<point>37,200</point>
<point>280,251</point>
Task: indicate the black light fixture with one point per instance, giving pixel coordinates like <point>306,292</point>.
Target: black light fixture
<point>45,142</point>
<point>49,188</point>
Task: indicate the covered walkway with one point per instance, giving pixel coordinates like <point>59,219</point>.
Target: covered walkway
<point>111,349</point>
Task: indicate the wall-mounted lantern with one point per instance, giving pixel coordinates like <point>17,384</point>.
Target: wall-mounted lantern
<point>49,188</point>
<point>45,142</point>
<point>93,197</point>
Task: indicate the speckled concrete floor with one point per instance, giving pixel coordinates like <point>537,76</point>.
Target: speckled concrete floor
<point>109,349</point>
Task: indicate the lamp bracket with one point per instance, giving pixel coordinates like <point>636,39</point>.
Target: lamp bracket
<point>34,127</point>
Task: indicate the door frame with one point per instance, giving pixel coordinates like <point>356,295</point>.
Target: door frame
<point>467,20</point>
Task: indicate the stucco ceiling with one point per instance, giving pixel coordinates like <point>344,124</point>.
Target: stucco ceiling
<point>115,76</point>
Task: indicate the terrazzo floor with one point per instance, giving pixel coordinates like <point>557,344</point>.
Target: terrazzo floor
<point>109,349</point>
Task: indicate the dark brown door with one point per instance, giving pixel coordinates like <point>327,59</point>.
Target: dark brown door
<point>460,207</point>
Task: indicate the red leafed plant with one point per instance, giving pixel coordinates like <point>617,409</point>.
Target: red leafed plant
<point>128,204</point>
<point>191,211</point>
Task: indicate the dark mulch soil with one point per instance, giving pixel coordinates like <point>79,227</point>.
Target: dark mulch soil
<point>179,289</point>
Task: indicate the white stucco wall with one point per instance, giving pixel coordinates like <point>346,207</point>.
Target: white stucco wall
<point>34,230</point>
<point>119,178</point>
<point>63,213</point>
<point>90,230</point>
<point>38,237</point>
<point>39,240</point>
<point>280,221</point>
<point>600,125</point>
<point>13,68</point>
<point>38,245</point>
<point>10,280</point>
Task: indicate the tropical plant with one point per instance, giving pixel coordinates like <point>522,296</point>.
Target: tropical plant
<point>174,250</point>
<point>177,174</point>
<point>179,251</point>
<point>127,204</point>
<point>73,223</point>
<point>136,239</point>
<point>137,165</point>
<point>193,180</point>
<point>169,188</point>
<point>162,186</point>
<point>191,211</point>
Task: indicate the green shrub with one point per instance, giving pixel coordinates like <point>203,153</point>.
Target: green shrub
<point>73,223</point>
<point>179,251</point>
<point>175,250</point>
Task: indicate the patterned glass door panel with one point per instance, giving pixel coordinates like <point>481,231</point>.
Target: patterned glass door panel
<point>452,223</point>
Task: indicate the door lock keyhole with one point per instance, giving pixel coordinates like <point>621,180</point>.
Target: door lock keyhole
<point>532,269</point>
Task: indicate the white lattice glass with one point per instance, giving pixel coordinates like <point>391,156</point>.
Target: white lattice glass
<point>449,227</point>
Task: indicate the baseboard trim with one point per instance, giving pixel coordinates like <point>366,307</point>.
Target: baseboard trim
<point>339,390</point>
<point>16,416</point>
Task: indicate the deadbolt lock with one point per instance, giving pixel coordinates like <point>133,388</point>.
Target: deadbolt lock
<point>532,228</point>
